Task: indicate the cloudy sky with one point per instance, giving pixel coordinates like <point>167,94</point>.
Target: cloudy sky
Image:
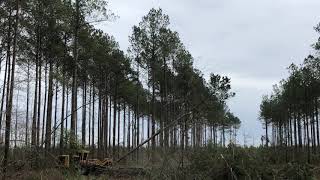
<point>251,41</point>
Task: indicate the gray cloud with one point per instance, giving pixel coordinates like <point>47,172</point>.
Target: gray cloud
<point>251,41</point>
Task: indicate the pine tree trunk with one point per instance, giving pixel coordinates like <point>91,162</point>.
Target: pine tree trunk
<point>84,113</point>
<point>55,111</point>
<point>99,121</point>
<point>267,137</point>
<point>137,110</point>
<point>74,74</point>
<point>89,122</point>
<point>307,137</point>
<point>110,123</point>
<point>35,105</point>
<point>93,112</point>
<point>114,122</point>
<point>106,135</point>
<point>39,101</point>
<point>129,131</point>
<point>27,110</point>
<point>49,108</point>
<point>44,104</point>
<point>106,120</point>
<point>137,127</point>
<point>295,129</point>
<point>153,127</point>
<point>148,125</point>
<point>62,113</point>
<point>16,123</point>
<point>124,126</point>
<point>165,98</point>
<point>223,136</point>
<point>67,111</point>
<point>317,122</point>
<point>186,133</point>
<point>10,93</point>
<point>299,131</point>
<point>118,143</point>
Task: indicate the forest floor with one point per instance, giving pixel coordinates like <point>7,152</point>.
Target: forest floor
<point>201,163</point>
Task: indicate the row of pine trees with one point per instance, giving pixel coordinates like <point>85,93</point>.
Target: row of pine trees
<point>292,110</point>
<point>62,78</point>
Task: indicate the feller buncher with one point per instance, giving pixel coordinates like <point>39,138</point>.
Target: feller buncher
<point>96,166</point>
<point>81,159</point>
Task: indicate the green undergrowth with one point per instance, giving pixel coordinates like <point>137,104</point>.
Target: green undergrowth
<point>241,163</point>
<point>234,163</point>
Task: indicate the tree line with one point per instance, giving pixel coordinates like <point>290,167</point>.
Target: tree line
<point>292,109</point>
<point>72,83</point>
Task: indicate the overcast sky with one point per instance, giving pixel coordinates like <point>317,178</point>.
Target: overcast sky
<point>251,41</point>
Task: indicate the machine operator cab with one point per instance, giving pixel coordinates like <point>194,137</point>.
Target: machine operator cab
<point>81,156</point>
